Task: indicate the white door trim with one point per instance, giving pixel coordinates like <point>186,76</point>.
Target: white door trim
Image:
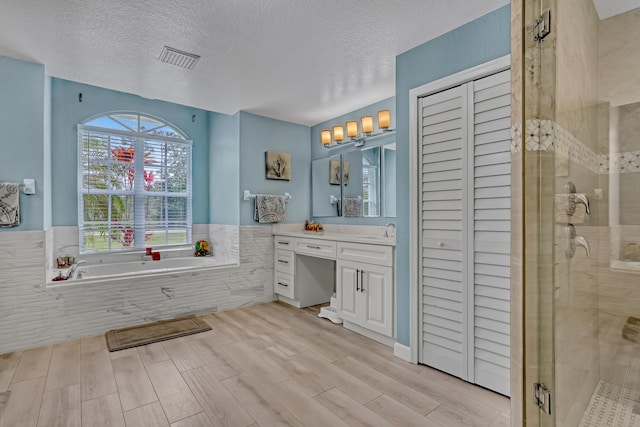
<point>475,73</point>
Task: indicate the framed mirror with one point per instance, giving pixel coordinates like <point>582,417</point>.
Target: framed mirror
<point>326,191</point>
<point>359,183</point>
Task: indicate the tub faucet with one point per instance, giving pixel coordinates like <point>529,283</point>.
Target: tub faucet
<point>73,268</point>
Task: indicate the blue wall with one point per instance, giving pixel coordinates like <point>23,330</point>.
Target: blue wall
<point>480,41</point>
<point>224,164</point>
<point>47,215</point>
<point>260,134</point>
<point>22,139</point>
<point>68,112</point>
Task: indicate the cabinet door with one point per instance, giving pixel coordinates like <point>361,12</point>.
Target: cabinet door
<point>347,295</point>
<point>376,298</point>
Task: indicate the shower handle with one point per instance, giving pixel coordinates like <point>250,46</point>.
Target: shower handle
<point>573,240</point>
<point>581,241</point>
<point>582,198</point>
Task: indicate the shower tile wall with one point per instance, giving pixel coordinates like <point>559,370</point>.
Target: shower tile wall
<point>576,283</point>
<point>32,315</point>
<point>619,142</point>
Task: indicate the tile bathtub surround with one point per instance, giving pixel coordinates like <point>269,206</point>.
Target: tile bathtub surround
<point>32,314</point>
<point>224,240</point>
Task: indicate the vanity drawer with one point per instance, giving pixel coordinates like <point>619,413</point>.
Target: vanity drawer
<point>283,242</point>
<point>283,284</point>
<point>316,247</point>
<point>284,261</point>
<point>372,254</point>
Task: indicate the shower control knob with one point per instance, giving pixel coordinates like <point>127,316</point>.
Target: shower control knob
<point>583,199</point>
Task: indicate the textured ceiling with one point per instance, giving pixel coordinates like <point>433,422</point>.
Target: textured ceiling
<point>303,61</point>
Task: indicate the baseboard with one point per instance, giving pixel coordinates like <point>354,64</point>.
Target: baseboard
<point>402,351</point>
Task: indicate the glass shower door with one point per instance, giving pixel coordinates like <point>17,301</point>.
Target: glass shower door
<point>582,156</point>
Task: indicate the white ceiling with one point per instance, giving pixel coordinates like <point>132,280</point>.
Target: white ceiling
<point>609,8</point>
<point>303,61</point>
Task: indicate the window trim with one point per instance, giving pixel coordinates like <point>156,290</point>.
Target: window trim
<point>140,138</point>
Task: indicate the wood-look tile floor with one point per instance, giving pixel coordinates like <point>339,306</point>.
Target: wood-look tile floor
<point>264,365</point>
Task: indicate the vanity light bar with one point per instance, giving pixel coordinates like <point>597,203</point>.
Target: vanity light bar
<point>327,137</point>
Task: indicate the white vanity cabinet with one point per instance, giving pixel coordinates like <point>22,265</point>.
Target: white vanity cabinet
<point>306,268</point>
<point>365,286</point>
<point>284,267</point>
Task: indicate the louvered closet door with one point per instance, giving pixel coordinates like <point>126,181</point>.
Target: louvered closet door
<point>465,220</point>
<point>491,230</point>
<point>444,320</point>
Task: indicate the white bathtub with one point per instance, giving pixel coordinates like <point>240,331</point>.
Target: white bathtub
<point>86,273</point>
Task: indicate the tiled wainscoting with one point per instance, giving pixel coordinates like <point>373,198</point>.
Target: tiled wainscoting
<point>32,314</point>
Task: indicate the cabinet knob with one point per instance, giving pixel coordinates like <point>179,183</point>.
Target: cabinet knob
<point>441,244</point>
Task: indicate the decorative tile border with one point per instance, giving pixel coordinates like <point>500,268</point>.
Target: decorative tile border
<point>539,135</point>
<point>574,149</point>
<point>619,162</point>
<point>516,138</point>
<point>545,135</point>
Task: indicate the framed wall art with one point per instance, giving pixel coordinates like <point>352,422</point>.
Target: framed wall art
<point>278,165</point>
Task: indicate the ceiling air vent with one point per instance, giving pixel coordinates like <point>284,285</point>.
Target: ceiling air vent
<point>177,57</point>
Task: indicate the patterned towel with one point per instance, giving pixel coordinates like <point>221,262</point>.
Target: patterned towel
<point>9,204</point>
<point>351,206</point>
<point>269,208</point>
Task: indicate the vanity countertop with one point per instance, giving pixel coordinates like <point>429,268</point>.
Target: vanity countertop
<point>373,235</point>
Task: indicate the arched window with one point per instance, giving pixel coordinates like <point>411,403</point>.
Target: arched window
<point>134,183</point>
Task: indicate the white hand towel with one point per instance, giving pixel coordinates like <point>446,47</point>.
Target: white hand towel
<point>9,204</point>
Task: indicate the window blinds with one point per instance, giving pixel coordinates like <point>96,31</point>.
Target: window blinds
<point>133,190</point>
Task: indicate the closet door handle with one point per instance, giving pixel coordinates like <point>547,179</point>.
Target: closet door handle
<point>361,280</point>
<point>357,285</point>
